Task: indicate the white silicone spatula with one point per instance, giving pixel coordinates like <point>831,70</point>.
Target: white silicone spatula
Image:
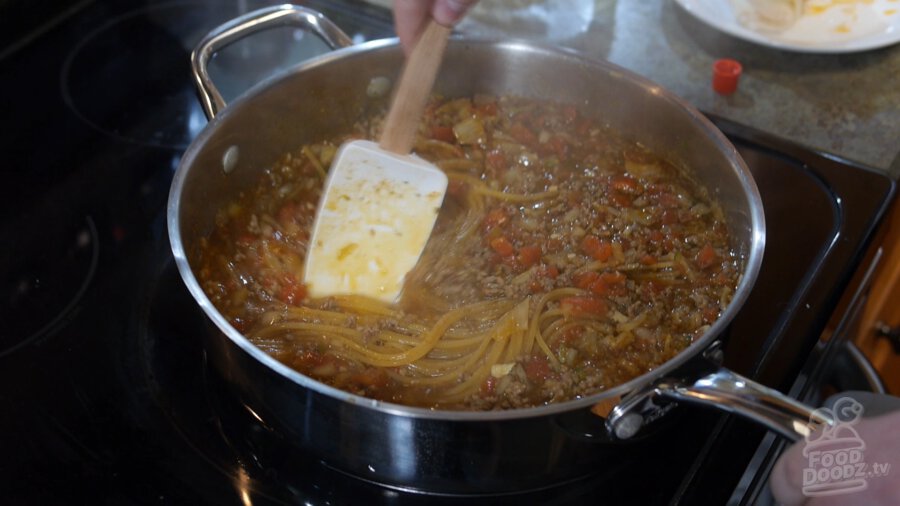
<point>380,202</point>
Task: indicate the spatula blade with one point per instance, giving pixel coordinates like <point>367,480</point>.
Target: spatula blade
<point>375,217</point>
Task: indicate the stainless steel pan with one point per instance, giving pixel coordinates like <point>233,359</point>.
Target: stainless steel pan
<point>452,451</point>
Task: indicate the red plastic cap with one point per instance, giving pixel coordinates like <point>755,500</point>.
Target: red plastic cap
<point>726,73</point>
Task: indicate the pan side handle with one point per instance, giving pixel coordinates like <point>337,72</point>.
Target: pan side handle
<point>250,23</point>
<point>725,390</point>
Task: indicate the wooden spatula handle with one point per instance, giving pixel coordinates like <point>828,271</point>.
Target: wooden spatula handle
<point>411,94</point>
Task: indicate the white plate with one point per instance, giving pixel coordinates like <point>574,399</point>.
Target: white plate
<point>840,27</point>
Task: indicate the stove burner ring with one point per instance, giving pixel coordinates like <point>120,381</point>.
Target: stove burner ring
<point>37,289</point>
<point>143,53</point>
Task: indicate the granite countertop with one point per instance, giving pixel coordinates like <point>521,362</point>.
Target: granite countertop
<point>844,104</point>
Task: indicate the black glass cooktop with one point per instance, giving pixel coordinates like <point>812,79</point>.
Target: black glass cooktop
<point>105,393</point>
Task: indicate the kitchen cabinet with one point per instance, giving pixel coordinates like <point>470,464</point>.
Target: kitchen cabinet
<point>882,309</point>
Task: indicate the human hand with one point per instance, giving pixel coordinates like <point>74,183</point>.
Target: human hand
<point>410,16</point>
<point>868,475</point>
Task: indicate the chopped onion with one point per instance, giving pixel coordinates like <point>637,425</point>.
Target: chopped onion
<point>469,131</point>
<point>501,370</point>
<point>378,87</point>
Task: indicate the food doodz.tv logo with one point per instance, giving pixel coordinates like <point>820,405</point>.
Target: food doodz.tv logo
<point>836,453</point>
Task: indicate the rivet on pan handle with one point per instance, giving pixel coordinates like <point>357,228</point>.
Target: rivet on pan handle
<point>250,23</point>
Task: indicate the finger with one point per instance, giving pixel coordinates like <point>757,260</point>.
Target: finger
<point>449,12</point>
<point>786,478</point>
<point>409,20</point>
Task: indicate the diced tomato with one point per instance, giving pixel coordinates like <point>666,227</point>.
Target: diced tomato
<point>372,378</point>
<point>443,133</point>
<point>582,127</point>
<point>239,324</point>
<point>537,368</point>
<point>246,239</point>
<point>542,273</point>
<point>662,240</point>
<point>706,257</point>
<point>529,255</point>
<point>647,260</point>
<point>287,214</point>
<point>496,159</point>
<point>614,278</point>
<point>548,271</point>
<point>487,108</point>
<point>494,218</point>
<point>668,201</point>
<point>571,335</point>
<point>492,234</point>
<point>669,217</point>
<point>457,189</point>
<point>583,306</point>
<point>552,146</point>
<point>489,385</point>
<point>600,287</point>
<point>653,287</point>
<point>592,246</point>
<point>710,314</point>
<point>605,251</point>
<point>559,147</point>
<point>503,247</point>
<point>522,134</point>
<point>620,199</point>
<point>626,184</point>
<point>585,280</point>
<point>609,283</point>
<point>292,292</point>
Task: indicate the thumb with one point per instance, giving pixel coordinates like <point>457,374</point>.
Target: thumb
<point>449,12</point>
<point>880,436</point>
<point>786,478</point>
